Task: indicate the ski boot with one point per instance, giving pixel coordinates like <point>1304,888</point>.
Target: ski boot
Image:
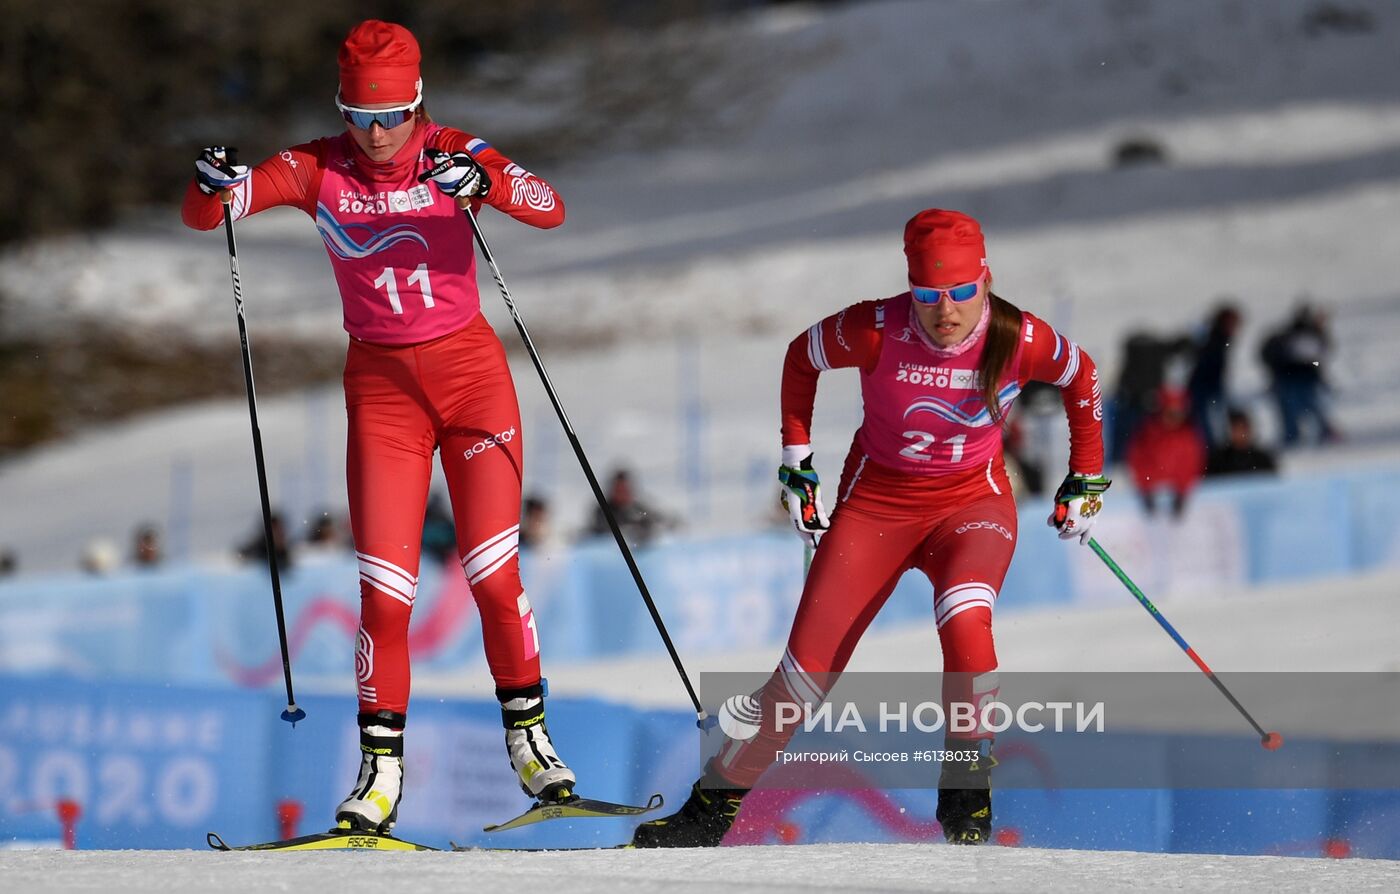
<point>702,821</point>
<point>965,793</point>
<point>542,775</point>
<point>373,805</point>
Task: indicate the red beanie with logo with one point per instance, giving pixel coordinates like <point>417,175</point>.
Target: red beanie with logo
<point>379,64</point>
<point>944,248</point>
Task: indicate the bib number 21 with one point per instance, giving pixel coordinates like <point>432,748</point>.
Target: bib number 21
<point>389,282</point>
<point>919,451</point>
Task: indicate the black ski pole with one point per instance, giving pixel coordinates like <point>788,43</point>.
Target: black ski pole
<point>1269,740</point>
<point>292,713</point>
<point>701,717</point>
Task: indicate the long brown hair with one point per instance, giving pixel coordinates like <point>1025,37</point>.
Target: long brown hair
<point>1003,330</point>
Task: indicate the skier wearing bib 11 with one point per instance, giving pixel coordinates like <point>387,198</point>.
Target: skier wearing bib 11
<point>424,372</point>
<point>923,487</point>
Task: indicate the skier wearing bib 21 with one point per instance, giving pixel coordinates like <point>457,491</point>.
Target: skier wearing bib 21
<point>424,372</point>
<point>924,487</point>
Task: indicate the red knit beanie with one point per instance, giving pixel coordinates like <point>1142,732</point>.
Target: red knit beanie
<point>379,64</point>
<point>944,248</point>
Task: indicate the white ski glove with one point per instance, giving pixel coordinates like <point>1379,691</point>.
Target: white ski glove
<point>216,169</point>
<point>1078,500</point>
<point>801,495</point>
<point>457,174</point>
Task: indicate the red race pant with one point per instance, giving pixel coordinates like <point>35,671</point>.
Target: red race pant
<point>454,394</point>
<point>959,530</point>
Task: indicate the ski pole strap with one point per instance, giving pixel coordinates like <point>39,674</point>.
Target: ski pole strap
<point>1075,486</point>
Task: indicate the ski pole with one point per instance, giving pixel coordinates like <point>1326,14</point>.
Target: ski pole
<point>1270,741</point>
<point>292,713</point>
<point>701,717</point>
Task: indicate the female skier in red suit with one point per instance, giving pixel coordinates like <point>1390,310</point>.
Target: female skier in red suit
<point>923,487</point>
<point>424,372</point>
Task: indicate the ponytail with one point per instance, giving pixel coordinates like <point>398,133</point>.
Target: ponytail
<point>1003,330</point>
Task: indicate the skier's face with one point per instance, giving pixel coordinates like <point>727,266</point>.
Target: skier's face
<point>949,322</point>
<point>378,142</point>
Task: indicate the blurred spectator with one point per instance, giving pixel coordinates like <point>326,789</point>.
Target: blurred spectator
<point>639,523</point>
<point>325,539</point>
<point>8,563</point>
<point>536,529</point>
<point>439,533</point>
<point>99,556</point>
<point>145,547</point>
<point>1167,454</point>
<point>1294,355</point>
<point>1144,372</point>
<point>1240,454</point>
<point>1026,436</point>
<point>1026,471</point>
<point>1206,386</point>
<point>255,547</point>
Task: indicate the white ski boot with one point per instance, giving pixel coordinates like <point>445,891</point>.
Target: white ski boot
<point>543,776</point>
<point>373,804</point>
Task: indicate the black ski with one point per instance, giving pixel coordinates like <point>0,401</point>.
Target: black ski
<point>575,808</point>
<point>334,840</point>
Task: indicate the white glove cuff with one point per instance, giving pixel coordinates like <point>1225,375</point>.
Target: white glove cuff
<point>795,453</point>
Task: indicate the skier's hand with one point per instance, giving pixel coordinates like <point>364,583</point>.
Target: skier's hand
<point>1078,501</point>
<point>216,169</point>
<point>457,174</point>
<point>801,495</point>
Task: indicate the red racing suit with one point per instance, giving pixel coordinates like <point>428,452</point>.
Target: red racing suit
<point>424,372</point>
<point>924,486</point>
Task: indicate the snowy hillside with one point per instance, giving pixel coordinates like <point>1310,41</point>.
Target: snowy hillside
<point>664,305</point>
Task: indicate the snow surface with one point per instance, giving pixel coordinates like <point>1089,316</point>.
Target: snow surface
<point>804,868</point>
<point>664,305</point>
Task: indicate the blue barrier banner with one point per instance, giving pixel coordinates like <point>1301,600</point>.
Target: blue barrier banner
<point>148,766</point>
<point>158,767</point>
<point>198,626</point>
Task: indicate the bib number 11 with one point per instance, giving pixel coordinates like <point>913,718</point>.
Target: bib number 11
<point>923,442</point>
<point>389,282</point>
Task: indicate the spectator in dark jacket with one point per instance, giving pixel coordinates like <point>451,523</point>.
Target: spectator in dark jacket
<point>638,521</point>
<point>1206,387</point>
<point>1294,356</point>
<point>145,547</point>
<point>1167,454</point>
<point>1145,360</point>
<point>1240,455</point>
<point>254,549</point>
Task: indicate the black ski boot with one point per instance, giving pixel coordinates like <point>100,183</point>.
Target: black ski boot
<point>701,822</point>
<point>965,794</point>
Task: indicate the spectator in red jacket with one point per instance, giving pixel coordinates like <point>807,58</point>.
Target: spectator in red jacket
<point>1167,453</point>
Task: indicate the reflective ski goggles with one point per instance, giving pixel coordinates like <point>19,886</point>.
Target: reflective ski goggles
<point>957,294</point>
<point>388,119</point>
